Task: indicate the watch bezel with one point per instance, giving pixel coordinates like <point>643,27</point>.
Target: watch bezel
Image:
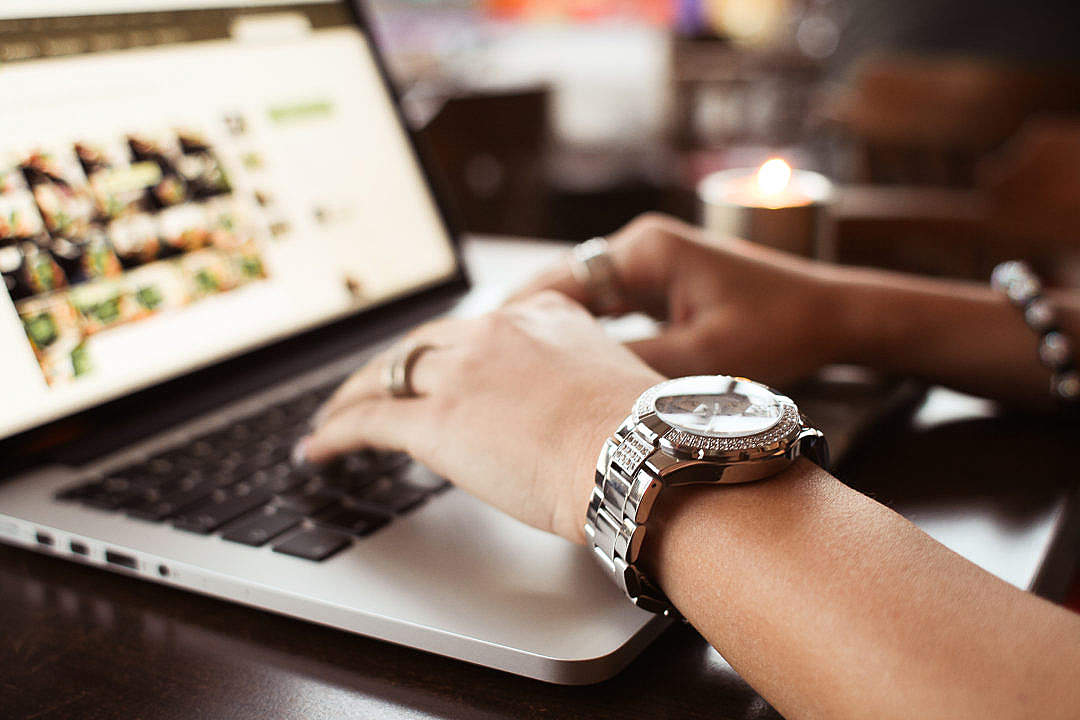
<point>775,440</point>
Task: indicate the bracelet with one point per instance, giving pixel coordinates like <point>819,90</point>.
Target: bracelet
<point>1022,287</point>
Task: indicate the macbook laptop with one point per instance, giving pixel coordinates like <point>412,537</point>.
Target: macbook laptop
<point>210,215</point>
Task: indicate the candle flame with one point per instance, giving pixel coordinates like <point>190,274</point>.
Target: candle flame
<point>773,177</point>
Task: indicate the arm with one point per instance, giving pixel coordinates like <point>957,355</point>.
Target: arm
<point>829,604</point>
<point>744,309</point>
<point>833,606</point>
<point>955,333</point>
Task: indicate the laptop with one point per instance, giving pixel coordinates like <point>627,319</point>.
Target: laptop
<point>209,215</point>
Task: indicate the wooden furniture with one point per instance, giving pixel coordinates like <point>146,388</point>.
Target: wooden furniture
<point>488,149</point>
<point>1022,206</point>
<point>929,121</point>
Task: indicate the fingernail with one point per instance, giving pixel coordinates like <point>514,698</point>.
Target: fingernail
<point>299,452</point>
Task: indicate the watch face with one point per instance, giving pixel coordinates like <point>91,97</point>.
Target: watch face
<point>718,406</point>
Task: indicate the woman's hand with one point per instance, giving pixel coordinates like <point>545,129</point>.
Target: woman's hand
<point>730,307</point>
<point>513,407</point>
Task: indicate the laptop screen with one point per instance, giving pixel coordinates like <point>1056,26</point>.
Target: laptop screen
<point>182,181</point>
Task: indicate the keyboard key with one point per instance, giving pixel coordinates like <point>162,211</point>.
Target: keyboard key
<point>364,462</point>
<point>222,507</point>
<point>153,472</point>
<point>269,452</point>
<point>279,478</point>
<point>353,519</point>
<point>156,507</point>
<point>176,460</point>
<point>114,493</point>
<point>349,474</point>
<point>392,496</point>
<point>390,462</point>
<point>307,502</point>
<point>314,544</point>
<point>261,527</point>
<point>108,494</point>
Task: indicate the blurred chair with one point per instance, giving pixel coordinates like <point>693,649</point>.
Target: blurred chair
<point>1024,205</point>
<point>958,164</point>
<point>490,150</point>
<point>928,121</point>
<point>1032,197</point>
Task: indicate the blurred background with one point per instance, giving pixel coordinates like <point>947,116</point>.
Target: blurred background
<point>950,128</point>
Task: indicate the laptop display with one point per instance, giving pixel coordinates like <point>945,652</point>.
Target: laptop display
<point>179,184</point>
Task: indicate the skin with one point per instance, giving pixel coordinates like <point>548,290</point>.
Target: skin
<point>745,309</point>
<point>828,603</point>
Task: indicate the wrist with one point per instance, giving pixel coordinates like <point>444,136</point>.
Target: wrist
<point>855,314</point>
<point>747,511</point>
<point>601,416</point>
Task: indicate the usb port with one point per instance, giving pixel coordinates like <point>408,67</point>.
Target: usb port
<point>44,539</point>
<point>78,548</point>
<point>120,559</point>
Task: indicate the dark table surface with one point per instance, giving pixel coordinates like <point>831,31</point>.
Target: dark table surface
<point>79,642</point>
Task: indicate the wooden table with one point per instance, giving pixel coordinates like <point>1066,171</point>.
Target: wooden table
<point>78,642</point>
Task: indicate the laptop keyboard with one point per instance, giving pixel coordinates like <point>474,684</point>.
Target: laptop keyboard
<point>239,482</point>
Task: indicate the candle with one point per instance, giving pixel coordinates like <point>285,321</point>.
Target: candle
<point>773,205</point>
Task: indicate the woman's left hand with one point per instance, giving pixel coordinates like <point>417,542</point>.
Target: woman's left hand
<point>512,406</point>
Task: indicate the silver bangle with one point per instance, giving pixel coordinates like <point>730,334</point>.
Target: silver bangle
<point>1022,287</point>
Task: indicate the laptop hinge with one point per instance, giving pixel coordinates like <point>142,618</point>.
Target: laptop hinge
<point>86,436</point>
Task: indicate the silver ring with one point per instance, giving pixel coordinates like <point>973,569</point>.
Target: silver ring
<point>592,266</point>
<point>398,377</point>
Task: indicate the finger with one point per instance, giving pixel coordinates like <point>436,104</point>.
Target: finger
<point>641,254</point>
<point>370,417</point>
<point>383,424</point>
<point>369,384</point>
<point>560,278</point>
<point>369,380</point>
<point>674,353</point>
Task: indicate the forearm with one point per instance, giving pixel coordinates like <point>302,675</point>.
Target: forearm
<point>833,606</point>
<point>957,333</point>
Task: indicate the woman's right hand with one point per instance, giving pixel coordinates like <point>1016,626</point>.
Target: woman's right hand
<point>731,306</point>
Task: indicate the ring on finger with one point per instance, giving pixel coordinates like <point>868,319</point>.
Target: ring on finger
<point>398,376</point>
<point>592,266</point>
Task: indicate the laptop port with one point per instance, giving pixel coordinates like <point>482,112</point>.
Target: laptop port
<point>79,548</point>
<point>44,539</point>
<point>120,559</point>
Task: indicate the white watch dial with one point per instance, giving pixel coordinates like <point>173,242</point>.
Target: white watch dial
<point>718,406</point>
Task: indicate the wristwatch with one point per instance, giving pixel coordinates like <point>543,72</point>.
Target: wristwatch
<point>708,429</point>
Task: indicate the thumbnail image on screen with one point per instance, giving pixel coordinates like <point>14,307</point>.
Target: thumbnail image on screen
<point>95,235</point>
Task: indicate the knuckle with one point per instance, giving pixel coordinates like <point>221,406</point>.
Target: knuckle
<point>441,403</point>
<point>653,233</point>
<point>496,322</point>
<point>551,299</point>
<point>651,220</point>
<point>490,331</point>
